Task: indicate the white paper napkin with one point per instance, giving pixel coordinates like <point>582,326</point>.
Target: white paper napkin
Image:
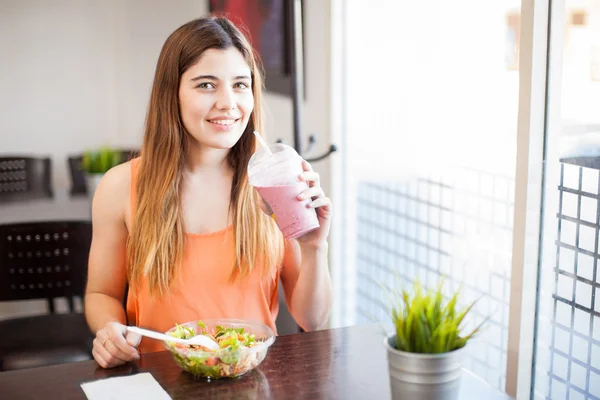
<point>138,386</point>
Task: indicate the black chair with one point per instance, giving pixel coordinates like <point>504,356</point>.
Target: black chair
<point>24,178</point>
<point>78,185</point>
<point>46,260</point>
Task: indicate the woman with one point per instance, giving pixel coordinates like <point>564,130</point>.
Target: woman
<point>183,214</point>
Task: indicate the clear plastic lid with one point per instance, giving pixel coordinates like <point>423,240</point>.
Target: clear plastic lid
<point>282,167</point>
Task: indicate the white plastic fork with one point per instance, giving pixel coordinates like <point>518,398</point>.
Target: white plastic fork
<point>198,340</point>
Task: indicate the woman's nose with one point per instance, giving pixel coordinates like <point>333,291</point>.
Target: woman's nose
<point>225,99</point>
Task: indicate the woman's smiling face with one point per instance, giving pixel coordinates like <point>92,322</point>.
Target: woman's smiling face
<point>215,98</point>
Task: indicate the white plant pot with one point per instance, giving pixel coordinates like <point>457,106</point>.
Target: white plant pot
<point>92,181</point>
<point>423,376</point>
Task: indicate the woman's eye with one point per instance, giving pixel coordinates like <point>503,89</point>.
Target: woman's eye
<point>205,85</point>
<point>241,85</point>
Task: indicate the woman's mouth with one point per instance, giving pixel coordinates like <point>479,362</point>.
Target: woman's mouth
<point>223,124</point>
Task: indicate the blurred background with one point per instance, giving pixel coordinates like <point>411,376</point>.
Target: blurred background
<point>426,102</point>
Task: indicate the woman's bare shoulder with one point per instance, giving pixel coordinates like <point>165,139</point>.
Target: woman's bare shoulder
<point>112,194</point>
<point>118,178</point>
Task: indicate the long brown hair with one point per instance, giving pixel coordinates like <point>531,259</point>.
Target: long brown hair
<point>156,243</point>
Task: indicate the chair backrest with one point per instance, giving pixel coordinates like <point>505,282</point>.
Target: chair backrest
<point>78,185</point>
<point>44,260</point>
<point>24,178</point>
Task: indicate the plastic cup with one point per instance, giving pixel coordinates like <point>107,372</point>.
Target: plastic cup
<point>275,177</point>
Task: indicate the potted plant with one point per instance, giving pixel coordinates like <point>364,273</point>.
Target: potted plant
<point>95,163</point>
<point>425,351</point>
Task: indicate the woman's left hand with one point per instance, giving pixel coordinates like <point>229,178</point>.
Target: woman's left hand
<point>320,202</point>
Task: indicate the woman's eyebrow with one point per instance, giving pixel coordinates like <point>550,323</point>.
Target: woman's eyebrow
<point>214,78</point>
<point>210,77</point>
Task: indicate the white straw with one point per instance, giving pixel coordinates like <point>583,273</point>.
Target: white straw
<point>262,142</point>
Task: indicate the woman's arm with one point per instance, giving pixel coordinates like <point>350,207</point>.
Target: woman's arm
<point>307,284</point>
<point>305,275</point>
<point>107,275</point>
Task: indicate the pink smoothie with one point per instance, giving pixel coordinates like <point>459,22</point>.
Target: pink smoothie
<point>293,216</point>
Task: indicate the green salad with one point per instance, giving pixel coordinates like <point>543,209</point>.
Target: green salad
<point>233,358</point>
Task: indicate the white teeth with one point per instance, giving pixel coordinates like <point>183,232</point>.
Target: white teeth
<point>223,121</point>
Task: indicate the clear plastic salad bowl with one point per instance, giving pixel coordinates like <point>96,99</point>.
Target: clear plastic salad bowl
<point>243,346</point>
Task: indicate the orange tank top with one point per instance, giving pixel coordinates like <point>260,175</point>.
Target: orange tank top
<point>203,290</point>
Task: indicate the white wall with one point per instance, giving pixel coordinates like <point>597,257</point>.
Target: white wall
<point>76,74</point>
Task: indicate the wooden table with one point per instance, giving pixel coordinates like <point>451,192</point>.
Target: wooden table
<point>345,363</point>
<point>62,206</point>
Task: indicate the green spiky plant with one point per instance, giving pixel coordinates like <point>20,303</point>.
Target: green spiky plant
<point>426,323</point>
<point>101,160</point>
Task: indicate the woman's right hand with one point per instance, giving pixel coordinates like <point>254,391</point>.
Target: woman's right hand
<point>114,345</point>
